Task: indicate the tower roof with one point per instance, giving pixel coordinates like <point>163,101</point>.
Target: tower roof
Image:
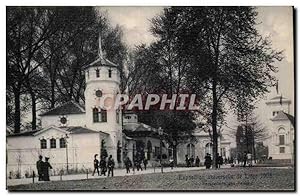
<point>284,116</point>
<point>70,107</point>
<point>101,60</point>
<point>277,98</point>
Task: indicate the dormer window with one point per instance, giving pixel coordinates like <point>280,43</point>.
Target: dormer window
<point>109,73</point>
<point>97,73</point>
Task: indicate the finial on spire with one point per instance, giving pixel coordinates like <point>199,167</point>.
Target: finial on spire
<point>100,53</point>
<point>277,87</point>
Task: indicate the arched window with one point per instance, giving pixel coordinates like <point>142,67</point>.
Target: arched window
<point>52,143</point>
<point>103,116</point>
<point>118,116</point>
<point>281,136</point>
<point>109,73</point>
<point>149,150</point>
<point>208,148</point>
<point>97,73</point>
<point>62,142</point>
<point>119,152</point>
<point>43,144</point>
<point>95,115</point>
<point>190,150</point>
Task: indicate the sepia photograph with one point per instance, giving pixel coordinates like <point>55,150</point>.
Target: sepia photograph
<point>150,98</point>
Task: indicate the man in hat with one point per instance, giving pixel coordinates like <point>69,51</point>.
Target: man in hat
<point>46,167</point>
<point>110,166</point>
<point>96,165</point>
<point>39,166</point>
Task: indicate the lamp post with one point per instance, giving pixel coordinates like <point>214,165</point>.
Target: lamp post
<point>160,132</point>
<point>67,157</point>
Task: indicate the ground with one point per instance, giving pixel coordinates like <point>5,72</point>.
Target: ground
<point>251,179</point>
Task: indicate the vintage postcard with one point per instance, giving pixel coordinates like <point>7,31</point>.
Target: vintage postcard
<point>150,98</point>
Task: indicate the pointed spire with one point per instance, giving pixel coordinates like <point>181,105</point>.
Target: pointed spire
<point>277,87</point>
<point>100,53</point>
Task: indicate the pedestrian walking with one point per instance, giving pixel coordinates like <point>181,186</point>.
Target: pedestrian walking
<point>110,166</point>
<point>207,161</point>
<point>197,162</point>
<point>128,165</point>
<point>145,161</point>
<point>45,167</point>
<point>96,165</point>
<point>39,167</point>
<point>245,159</point>
<point>219,160</point>
<point>187,161</point>
<point>103,166</point>
<point>171,161</point>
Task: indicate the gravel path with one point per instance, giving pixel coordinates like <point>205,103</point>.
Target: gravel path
<point>250,179</point>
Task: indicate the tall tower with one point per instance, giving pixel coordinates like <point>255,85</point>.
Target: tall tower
<point>102,79</point>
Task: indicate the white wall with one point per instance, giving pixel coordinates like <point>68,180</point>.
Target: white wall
<point>72,120</point>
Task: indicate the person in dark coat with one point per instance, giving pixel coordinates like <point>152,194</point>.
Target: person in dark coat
<point>145,161</point>
<point>207,161</point>
<point>102,166</point>
<point>138,163</point>
<point>187,161</point>
<point>128,165</point>
<point>46,166</point>
<point>39,167</point>
<point>219,160</point>
<point>96,165</point>
<point>192,161</point>
<point>110,166</point>
<point>245,159</point>
<point>197,163</point>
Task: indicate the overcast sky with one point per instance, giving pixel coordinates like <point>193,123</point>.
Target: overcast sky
<point>276,22</point>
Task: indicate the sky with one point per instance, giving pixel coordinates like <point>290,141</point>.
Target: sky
<point>275,22</point>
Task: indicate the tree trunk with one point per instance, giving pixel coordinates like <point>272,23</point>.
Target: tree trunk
<point>214,124</point>
<point>52,95</point>
<point>17,117</point>
<point>33,110</point>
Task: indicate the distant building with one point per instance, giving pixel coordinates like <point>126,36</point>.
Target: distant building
<point>281,129</point>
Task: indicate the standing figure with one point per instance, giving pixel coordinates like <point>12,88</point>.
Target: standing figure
<point>171,162</point>
<point>46,166</point>
<point>102,166</point>
<point>145,161</point>
<point>207,161</point>
<point>128,164</point>
<point>245,159</point>
<point>39,167</point>
<point>187,160</point>
<point>197,163</point>
<point>96,165</point>
<point>192,161</point>
<point>219,160</point>
<point>110,166</point>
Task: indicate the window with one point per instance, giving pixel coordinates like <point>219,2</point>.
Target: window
<point>43,144</point>
<point>62,142</point>
<point>191,150</point>
<point>98,93</point>
<point>156,151</point>
<point>103,116</point>
<point>97,73</point>
<point>53,143</point>
<point>282,150</point>
<point>95,115</point>
<point>118,116</point>
<point>109,73</point>
<point>281,140</point>
<point>63,120</point>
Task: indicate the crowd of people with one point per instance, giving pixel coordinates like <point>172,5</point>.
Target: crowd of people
<point>191,162</point>
<point>105,166</point>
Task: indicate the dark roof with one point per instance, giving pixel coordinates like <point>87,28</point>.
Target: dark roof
<point>26,133</point>
<point>101,62</point>
<point>79,130</point>
<point>70,107</point>
<point>284,116</point>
